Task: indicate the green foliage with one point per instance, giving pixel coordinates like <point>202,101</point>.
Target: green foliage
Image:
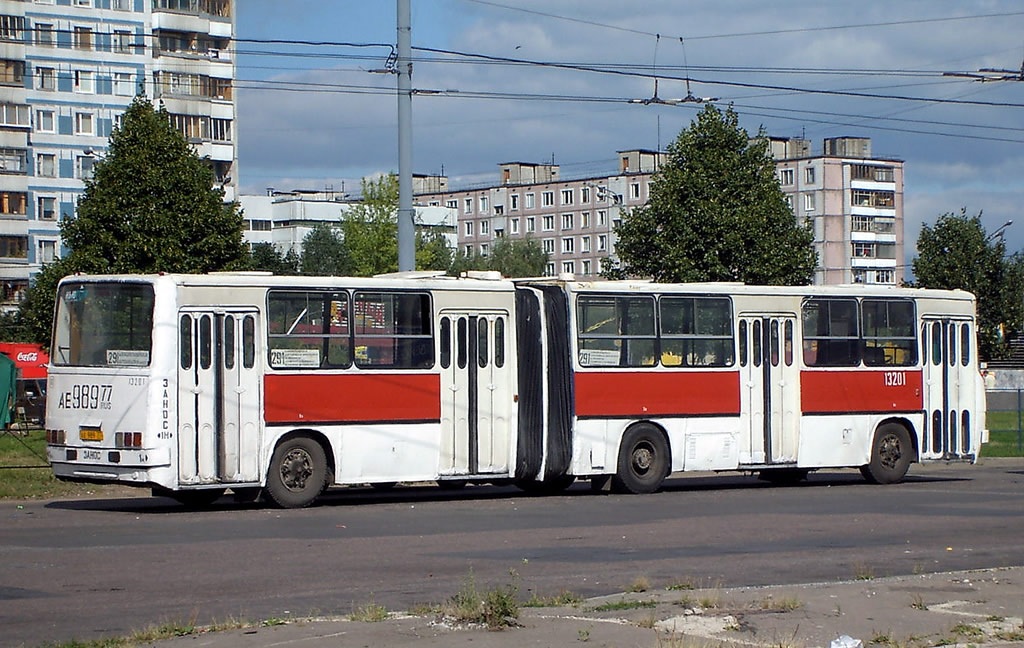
<point>264,256</point>
<point>324,252</point>
<point>150,207</point>
<point>716,213</point>
<point>956,252</point>
<point>497,608</point>
<point>511,257</point>
<point>432,251</point>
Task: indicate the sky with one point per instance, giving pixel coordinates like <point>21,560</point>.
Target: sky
<point>321,114</point>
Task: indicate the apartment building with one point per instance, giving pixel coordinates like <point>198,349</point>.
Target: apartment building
<point>574,220</point>
<point>854,202</point>
<point>70,68</point>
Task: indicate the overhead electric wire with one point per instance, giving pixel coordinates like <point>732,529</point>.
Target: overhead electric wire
<point>771,32</point>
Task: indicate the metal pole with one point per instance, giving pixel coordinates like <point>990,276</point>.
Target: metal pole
<point>406,225</point>
<point>1020,423</point>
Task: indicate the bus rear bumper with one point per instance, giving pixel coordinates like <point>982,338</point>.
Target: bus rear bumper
<point>106,464</point>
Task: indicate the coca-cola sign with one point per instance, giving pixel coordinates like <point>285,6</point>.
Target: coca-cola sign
<point>28,356</point>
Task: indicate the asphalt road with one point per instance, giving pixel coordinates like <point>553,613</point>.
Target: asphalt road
<point>97,567</point>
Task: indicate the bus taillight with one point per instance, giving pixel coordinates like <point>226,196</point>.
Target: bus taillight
<point>128,439</point>
<point>56,437</point>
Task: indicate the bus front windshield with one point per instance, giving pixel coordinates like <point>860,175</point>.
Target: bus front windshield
<point>103,325</point>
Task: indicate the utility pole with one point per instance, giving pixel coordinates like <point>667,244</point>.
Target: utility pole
<point>406,215</point>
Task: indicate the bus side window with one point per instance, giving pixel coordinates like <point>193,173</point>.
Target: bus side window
<point>743,343</point>
<point>755,347</point>
<point>446,343</point>
<point>229,342</point>
<point>788,343</point>
<point>952,345</point>
<point>249,342</point>
<point>937,343</point>
<point>481,344</point>
<point>185,341</point>
<point>499,342</point>
<point>205,341</point>
<point>965,344</point>
<point>460,343</point>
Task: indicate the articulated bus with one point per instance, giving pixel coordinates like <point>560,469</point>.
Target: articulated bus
<point>195,384</point>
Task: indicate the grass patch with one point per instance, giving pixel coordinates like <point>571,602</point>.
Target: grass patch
<point>1010,635</point>
<point>781,604</point>
<point>1004,439</point>
<point>863,572</point>
<point>709,601</point>
<point>640,584</point>
<point>370,613</point>
<point>967,630</point>
<point>497,608</point>
<point>685,584</point>
<point>425,609</point>
<point>647,622</point>
<point>562,599</point>
<point>918,603</point>
<point>616,606</point>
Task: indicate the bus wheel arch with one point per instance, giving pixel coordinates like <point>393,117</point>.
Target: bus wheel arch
<point>892,451</point>
<point>300,469</point>
<point>644,459</point>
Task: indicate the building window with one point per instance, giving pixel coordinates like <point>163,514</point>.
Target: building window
<point>808,202</point>
<point>468,231</point>
<point>46,78</point>
<point>872,173</point>
<point>485,228</point>
<point>12,28</point>
<point>567,221</point>
<point>46,165</point>
<point>483,204</point>
<point>467,206</point>
<point>47,208</point>
<point>452,204</point>
<point>789,200</point>
<point>529,201</point>
<point>867,198</point>
<point>13,160</point>
<point>45,121</point>
<point>47,252</point>
<point>567,196</point>
<point>568,245</point>
<point>44,34</point>
<point>585,244</point>
<point>549,222</point>
<point>123,84</point>
<point>585,195</point>
<point>85,81</point>
<point>121,5</point>
<point>513,202</point>
<point>122,41</point>
<point>468,251</point>
<point>549,269</point>
<point>484,248</point>
<point>531,224</point>
<point>515,225</point>
<point>809,175</point>
<point>12,203</point>
<point>786,177</point>
<point>586,266</point>
<point>885,276</point>
<point>82,38</point>
<point>220,129</point>
<point>12,72</point>
<point>602,242</point>
<point>602,218</point>
<point>14,247</point>
<point>584,220</point>
<point>549,245</point>
<point>634,190</point>
<point>84,124</point>
<point>568,267</point>
<point>863,250</point>
<point>547,199</point>
<point>85,166</point>
<point>13,114</point>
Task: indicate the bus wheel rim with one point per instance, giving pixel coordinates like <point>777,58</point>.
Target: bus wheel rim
<point>296,468</point>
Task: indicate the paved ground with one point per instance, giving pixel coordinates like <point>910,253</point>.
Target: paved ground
<point>965,608</point>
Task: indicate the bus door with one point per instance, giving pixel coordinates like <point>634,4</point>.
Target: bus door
<point>476,392</point>
<point>949,383</point>
<point>218,396</point>
<point>770,389</point>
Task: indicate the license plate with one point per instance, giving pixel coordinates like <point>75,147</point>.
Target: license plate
<point>90,434</point>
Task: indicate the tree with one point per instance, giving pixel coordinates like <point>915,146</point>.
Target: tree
<point>716,213</point>
<point>325,253</point>
<point>264,256</point>
<point>957,253</point>
<point>511,257</point>
<point>370,228</point>
<point>151,206</point>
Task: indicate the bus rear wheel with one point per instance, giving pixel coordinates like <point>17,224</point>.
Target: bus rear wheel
<point>298,473</point>
<point>891,454</point>
<point>643,460</point>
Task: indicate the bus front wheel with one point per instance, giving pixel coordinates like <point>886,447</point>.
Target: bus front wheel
<point>643,460</point>
<point>891,454</point>
<point>298,472</point>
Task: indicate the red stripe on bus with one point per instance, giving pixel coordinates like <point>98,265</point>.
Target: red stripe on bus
<point>298,398</point>
<point>875,390</point>
<point>657,393</point>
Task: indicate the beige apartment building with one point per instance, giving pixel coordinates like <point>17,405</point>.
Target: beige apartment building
<point>853,201</point>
